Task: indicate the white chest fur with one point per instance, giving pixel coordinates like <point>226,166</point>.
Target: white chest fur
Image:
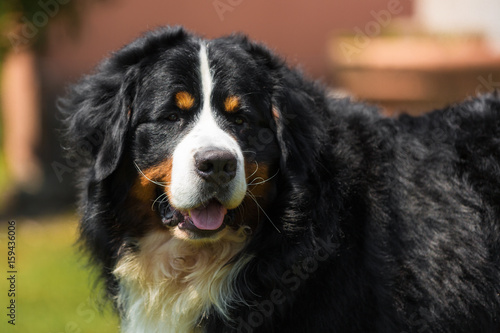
<point>169,284</point>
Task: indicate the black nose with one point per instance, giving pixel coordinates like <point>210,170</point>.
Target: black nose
<point>215,165</point>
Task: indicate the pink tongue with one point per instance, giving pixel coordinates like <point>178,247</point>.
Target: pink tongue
<point>209,217</point>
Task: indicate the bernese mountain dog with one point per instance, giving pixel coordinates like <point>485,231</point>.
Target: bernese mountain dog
<point>221,191</point>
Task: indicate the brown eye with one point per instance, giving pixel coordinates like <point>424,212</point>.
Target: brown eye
<point>173,117</point>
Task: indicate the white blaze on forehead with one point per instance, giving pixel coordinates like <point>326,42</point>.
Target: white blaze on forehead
<point>186,188</point>
<point>206,125</point>
<point>206,77</point>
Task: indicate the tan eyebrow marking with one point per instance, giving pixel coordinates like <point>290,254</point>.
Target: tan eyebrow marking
<point>184,100</point>
<point>231,104</point>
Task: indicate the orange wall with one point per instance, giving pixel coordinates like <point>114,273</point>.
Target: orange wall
<point>297,29</point>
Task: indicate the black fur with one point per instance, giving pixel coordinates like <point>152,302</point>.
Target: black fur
<point>385,224</point>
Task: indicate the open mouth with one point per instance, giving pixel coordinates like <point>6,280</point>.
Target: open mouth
<point>205,220</point>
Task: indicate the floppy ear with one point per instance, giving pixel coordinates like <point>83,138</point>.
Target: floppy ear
<point>298,130</point>
<point>98,109</point>
<point>296,107</point>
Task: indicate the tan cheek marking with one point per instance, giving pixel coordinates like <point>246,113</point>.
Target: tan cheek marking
<point>184,100</point>
<point>258,179</point>
<point>259,185</point>
<point>144,188</point>
<point>231,104</point>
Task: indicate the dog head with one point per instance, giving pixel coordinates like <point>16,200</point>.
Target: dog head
<point>194,133</point>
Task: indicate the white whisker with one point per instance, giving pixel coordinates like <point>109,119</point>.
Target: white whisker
<point>263,211</point>
<point>162,201</point>
<point>262,180</point>
<point>256,169</point>
<point>152,181</point>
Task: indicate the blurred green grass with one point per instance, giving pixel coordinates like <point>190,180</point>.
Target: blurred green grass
<point>54,288</point>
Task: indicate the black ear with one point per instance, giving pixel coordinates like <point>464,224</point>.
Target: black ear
<point>296,107</point>
<point>98,109</point>
<point>97,117</point>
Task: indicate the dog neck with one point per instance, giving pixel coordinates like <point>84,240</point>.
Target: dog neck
<point>171,284</point>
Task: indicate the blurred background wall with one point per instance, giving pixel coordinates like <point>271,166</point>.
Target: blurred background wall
<point>402,55</point>
<point>296,29</point>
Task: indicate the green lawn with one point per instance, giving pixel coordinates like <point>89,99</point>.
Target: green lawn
<point>53,287</point>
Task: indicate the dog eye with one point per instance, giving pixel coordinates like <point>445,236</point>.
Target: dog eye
<point>239,120</point>
<point>173,117</point>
